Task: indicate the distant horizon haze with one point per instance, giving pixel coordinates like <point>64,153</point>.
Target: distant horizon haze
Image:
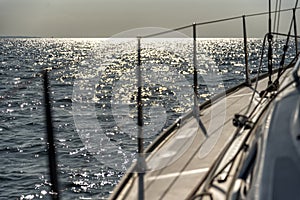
<point>106,18</point>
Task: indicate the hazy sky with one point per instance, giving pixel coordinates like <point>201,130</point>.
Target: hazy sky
<point>105,18</point>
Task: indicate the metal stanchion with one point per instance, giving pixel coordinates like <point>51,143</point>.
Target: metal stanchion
<point>141,164</point>
<point>248,82</point>
<point>195,85</point>
<point>50,140</point>
<point>295,30</point>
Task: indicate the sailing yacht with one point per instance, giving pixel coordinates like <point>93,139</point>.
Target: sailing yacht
<point>253,154</point>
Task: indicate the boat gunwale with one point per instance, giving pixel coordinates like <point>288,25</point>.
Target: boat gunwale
<point>264,111</point>
<point>181,120</point>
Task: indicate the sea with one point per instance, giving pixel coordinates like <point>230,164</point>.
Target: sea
<point>93,89</point>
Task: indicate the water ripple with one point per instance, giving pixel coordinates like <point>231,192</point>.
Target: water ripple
<point>23,170</point>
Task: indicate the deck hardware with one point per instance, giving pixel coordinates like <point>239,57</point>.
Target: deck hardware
<point>203,194</point>
<point>295,71</point>
<point>242,121</point>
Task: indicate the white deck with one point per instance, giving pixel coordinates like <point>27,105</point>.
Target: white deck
<point>180,163</point>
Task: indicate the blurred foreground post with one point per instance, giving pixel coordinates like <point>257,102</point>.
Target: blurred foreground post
<point>50,140</point>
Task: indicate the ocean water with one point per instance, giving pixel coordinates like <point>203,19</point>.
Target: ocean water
<point>93,93</point>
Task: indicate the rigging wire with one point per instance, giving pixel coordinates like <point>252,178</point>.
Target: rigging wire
<point>264,93</point>
<point>285,48</point>
<point>211,175</point>
<point>275,17</point>
<point>258,73</point>
<point>215,21</point>
<point>278,18</point>
<point>270,49</point>
<point>17,89</point>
